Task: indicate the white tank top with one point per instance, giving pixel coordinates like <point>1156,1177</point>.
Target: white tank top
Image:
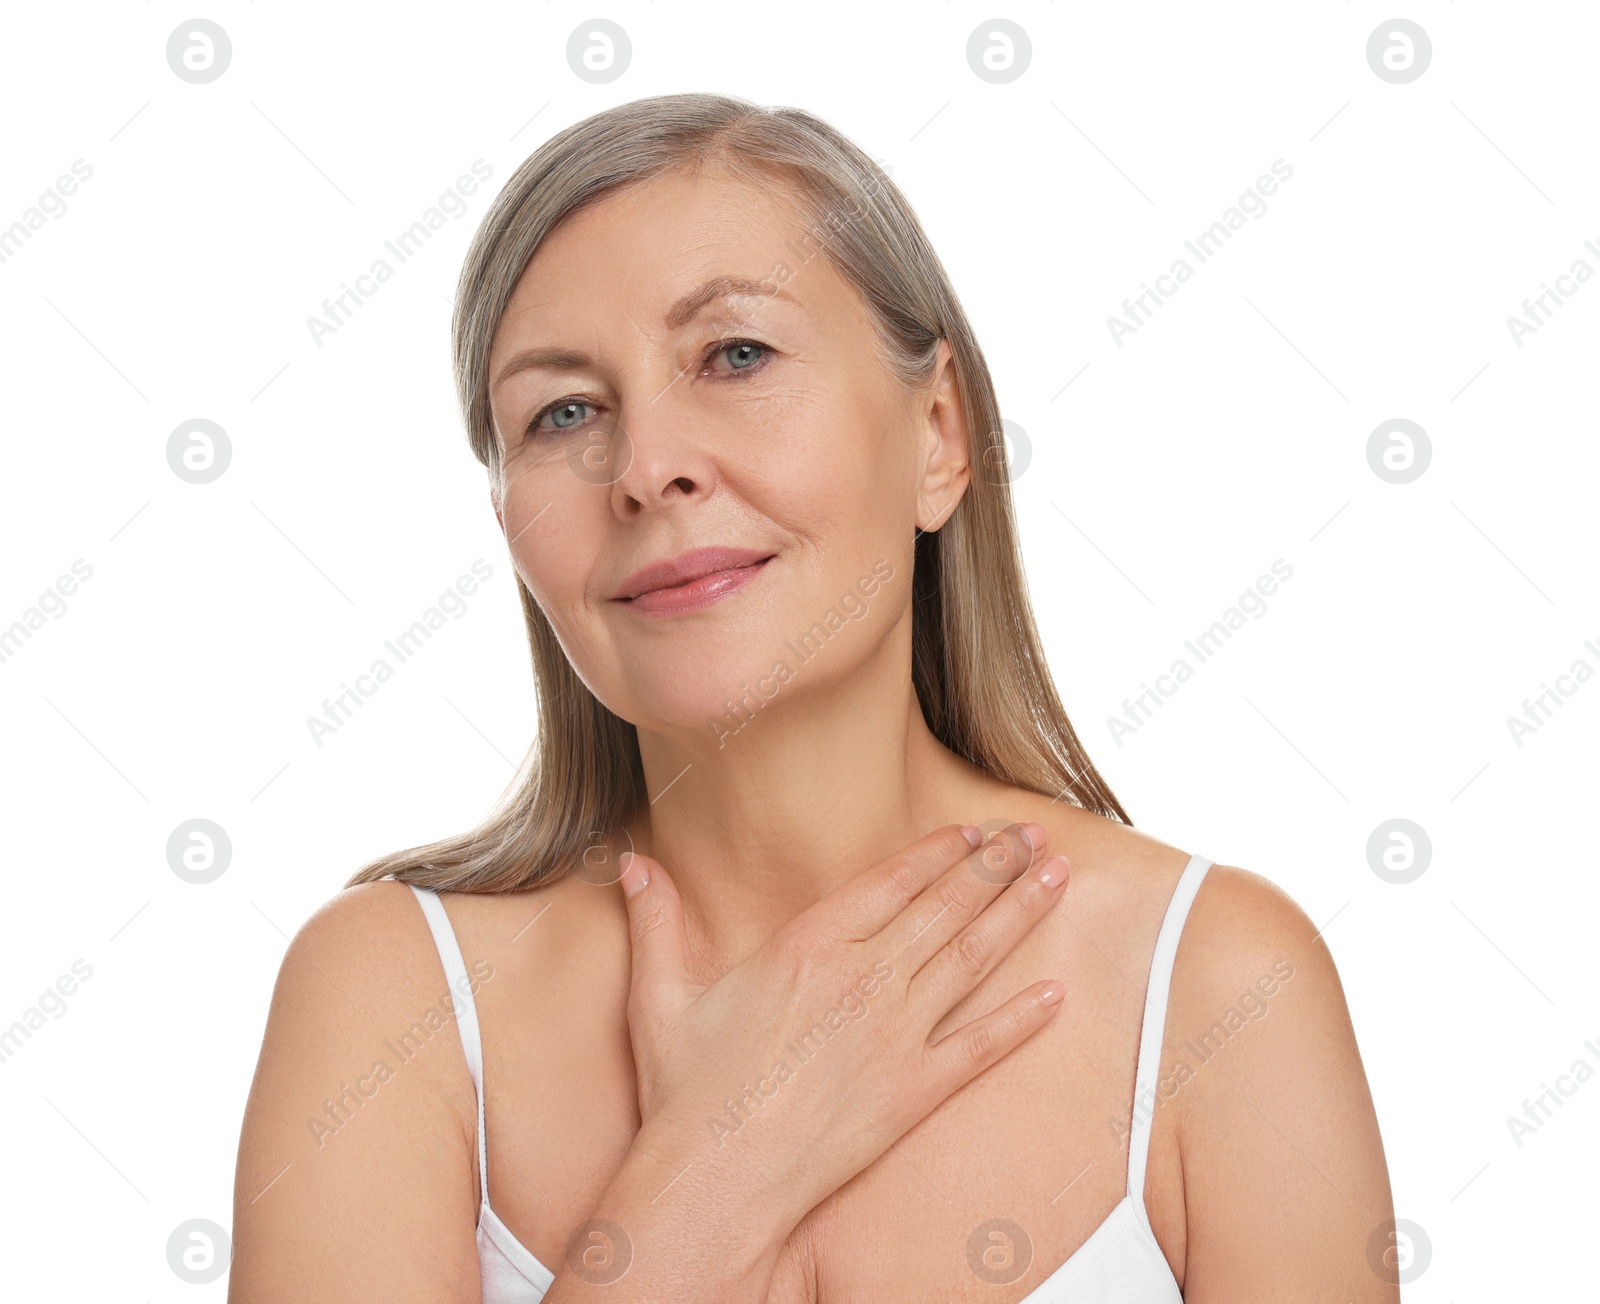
<point>1120,1262</point>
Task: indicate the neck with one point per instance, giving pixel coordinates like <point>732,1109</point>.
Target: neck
<point>809,791</point>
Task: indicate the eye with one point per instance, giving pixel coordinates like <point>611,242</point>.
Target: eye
<point>745,355</point>
<point>563,415</point>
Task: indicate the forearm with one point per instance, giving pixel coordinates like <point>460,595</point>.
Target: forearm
<point>673,1226</point>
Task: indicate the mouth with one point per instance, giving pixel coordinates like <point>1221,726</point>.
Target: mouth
<point>692,581</point>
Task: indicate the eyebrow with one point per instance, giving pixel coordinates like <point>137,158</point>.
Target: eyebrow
<point>683,311</point>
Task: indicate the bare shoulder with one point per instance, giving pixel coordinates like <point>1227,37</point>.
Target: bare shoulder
<point>358,1084</point>
<point>1263,1129</point>
<point>1277,1131</point>
<point>1118,872</point>
<point>370,935</point>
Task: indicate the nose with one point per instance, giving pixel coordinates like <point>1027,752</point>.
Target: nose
<point>660,460</point>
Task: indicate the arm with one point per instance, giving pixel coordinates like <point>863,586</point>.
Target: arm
<point>355,1174</point>
<point>1285,1182</point>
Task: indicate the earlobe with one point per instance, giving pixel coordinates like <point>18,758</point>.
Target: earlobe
<point>494,503</point>
<point>936,522</point>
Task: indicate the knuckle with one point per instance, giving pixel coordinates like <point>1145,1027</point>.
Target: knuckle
<point>905,878</point>
<point>980,1043</point>
<point>1030,893</point>
<point>953,895</point>
<point>969,953</point>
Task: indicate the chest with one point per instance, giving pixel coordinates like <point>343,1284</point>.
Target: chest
<point>981,1200</point>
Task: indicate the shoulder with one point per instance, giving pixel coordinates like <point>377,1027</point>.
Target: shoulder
<point>1242,923</point>
<point>347,1092</point>
<point>1276,1127</point>
<point>363,959</point>
<point>359,931</point>
<point>361,969</point>
<point>1247,942</point>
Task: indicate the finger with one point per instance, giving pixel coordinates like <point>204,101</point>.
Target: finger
<point>656,935</point>
<point>968,957</point>
<point>870,901</point>
<point>963,1054</point>
<point>954,899</point>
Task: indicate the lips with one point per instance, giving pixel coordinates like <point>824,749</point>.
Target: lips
<point>692,580</point>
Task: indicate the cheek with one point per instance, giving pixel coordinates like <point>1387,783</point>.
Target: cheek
<point>825,461</point>
<point>553,539</point>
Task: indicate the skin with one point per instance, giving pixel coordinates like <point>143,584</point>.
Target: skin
<point>1266,1175</point>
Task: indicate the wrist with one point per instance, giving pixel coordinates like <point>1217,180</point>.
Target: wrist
<point>718,1190</point>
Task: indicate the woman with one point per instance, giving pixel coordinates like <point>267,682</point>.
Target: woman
<point>751,1018</point>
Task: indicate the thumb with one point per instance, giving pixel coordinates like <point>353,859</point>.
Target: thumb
<point>655,933</point>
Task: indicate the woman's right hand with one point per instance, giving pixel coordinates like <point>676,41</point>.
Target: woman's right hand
<point>774,1085</point>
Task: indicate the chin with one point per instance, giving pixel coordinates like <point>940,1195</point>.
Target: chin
<point>715,696</point>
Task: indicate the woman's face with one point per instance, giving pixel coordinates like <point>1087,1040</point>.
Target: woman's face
<point>680,369</point>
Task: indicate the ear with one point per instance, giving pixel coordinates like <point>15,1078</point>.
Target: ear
<point>494,502</point>
<point>946,462</point>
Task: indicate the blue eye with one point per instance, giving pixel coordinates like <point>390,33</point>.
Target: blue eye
<point>563,415</point>
<point>746,349</point>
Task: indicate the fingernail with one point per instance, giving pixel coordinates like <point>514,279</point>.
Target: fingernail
<point>1053,871</point>
<point>973,834</point>
<point>1051,994</point>
<point>1034,835</point>
<point>634,875</point>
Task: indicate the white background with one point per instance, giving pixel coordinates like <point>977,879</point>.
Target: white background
<point>1167,473</point>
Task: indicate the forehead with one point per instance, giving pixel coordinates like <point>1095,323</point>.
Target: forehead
<point>634,253</point>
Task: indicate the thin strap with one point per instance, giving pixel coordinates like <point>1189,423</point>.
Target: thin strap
<point>1153,1028</point>
<point>455,972</point>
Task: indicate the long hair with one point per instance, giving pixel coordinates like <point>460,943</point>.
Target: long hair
<point>977,664</point>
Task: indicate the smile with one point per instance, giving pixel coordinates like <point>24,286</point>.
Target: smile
<point>697,593</point>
